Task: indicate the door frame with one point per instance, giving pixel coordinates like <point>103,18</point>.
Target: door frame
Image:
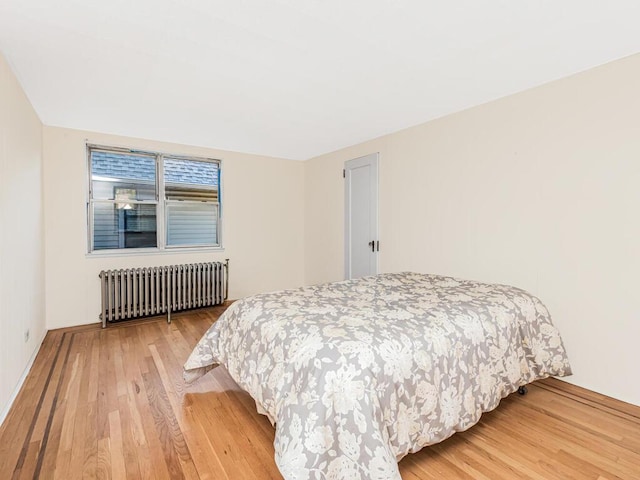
<point>374,160</point>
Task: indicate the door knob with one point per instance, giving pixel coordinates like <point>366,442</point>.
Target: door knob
<point>372,244</point>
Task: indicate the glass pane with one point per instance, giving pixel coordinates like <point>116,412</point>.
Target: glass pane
<point>177,192</point>
<point>192,223</point>
<point>123,176</point>
<point>124,225</point>
<point>191,172</point>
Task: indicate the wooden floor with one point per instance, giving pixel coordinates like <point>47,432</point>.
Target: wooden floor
<point>112,404</point>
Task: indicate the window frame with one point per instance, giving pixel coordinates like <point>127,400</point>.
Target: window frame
<point>160,203</point>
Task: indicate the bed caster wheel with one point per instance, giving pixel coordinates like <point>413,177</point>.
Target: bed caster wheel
<point>522,390</point>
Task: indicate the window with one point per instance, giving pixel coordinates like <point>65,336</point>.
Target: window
<point>151,200</point>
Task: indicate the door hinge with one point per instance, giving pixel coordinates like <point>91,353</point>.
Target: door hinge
<point>344,173</point>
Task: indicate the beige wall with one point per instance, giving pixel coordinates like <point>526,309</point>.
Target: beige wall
<point>262,224</point>
<point>539,190</point>
<point>21,235</point>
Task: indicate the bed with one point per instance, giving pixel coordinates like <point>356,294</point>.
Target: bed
<point>357,374</point>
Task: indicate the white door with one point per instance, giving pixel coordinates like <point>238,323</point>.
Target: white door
<point>361,216</point>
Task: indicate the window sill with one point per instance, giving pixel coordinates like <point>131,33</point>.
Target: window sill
<point>139,252</point>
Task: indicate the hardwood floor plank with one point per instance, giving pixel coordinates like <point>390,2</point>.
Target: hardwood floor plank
<point>166,424</point>
<point>111,404</point>
<point>206,459</point>
<point>93,372</point>
<point>154,445</point>
<point>71,401</point>
<point>103,459</point>
<point>90,442</point>
<point>105,383</point>
<point>77,453</point>
<point>129,445</point>
<point>116,457</point>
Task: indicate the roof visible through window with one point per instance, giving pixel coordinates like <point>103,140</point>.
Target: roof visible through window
<point>134,167</point>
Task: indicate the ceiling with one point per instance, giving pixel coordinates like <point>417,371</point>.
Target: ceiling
<point>294,78</point>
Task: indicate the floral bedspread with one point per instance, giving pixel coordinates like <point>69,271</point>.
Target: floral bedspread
<point>356,374</point>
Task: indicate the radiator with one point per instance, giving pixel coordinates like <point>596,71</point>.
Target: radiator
<point>141,292</point>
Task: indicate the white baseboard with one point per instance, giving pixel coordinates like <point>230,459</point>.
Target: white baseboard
<point>23,377</point>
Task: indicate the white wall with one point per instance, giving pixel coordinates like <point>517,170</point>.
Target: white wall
<point>540,190</point>
<point>263,204</point>
<point>21,235</point>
